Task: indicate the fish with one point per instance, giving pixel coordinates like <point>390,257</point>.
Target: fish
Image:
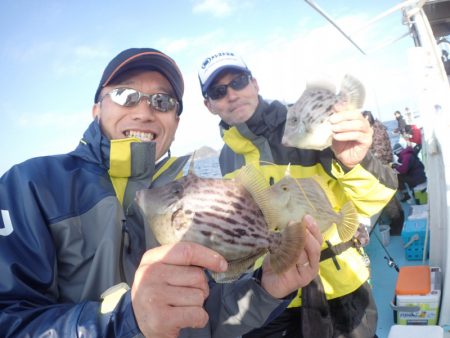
<point>291,198</point>
<point>307,123</point>
<point>222,215</point>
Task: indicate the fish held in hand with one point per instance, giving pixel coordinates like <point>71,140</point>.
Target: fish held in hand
<point>292,198</point>
<point>222,215</point>
<point>307,122</point>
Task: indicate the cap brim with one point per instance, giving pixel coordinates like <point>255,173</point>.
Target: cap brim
<point>146,60</point>
<point>219,70</point>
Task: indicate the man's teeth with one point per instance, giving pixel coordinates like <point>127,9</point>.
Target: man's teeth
<point>140,135</point>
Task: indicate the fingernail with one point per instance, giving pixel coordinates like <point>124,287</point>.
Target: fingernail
<point>223,265</point>
<point>308,218</point>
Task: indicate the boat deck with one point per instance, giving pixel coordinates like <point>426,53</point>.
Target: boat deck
<point>384,276</point>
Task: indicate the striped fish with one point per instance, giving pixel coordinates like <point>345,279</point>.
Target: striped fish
<point>222,215</point>
<point>291,198</point>
<point>307,124</point>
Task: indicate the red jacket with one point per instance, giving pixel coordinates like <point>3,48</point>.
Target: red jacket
<point>416,136</point>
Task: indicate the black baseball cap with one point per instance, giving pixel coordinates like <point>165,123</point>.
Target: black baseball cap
<point>147,59</point>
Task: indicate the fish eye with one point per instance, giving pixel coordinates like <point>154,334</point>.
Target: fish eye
<point>177,189</point>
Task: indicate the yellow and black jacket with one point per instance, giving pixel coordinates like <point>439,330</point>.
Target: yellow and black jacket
<point>70,230</point>
<point>369,185</point>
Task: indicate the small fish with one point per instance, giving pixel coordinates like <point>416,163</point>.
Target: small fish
<point>307,122</point>
<point>222,215</point>
<point>291,198</point>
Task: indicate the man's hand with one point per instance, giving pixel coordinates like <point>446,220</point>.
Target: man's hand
<point>170,287</point>
<point>303,272</point>
<point>352,137</point>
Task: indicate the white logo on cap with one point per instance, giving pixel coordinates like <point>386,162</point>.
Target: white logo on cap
<point>218,61</point>
<point>215,56</point>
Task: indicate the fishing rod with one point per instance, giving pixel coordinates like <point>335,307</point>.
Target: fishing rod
<point>390,261</point>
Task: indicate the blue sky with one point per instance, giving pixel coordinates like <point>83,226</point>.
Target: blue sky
<point>53,53</point>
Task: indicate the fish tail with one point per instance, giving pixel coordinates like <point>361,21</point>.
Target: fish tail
<point>254,182</point>
<point>292,243</point>
<point>352,88</point>
<point>349,222</point>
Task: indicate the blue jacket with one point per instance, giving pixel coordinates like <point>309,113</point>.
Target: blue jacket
<point>70,230</point>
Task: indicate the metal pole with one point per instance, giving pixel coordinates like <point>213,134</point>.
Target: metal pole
<point>321,12</point>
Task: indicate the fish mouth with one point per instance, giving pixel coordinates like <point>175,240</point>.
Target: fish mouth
<point>175,219</point>
<point>141,135</point>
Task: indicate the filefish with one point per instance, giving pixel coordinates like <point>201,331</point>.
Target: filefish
<point>291,198</point>
<point>307,122</point>
<point>222,215</point>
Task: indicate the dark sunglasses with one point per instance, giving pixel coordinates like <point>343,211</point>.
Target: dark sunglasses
<point>129,97</point>
<point>219,91</point>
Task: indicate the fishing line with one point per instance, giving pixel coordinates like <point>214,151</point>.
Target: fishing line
<point>390,261</point>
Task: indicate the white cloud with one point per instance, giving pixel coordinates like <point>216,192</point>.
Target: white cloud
<point>218,8</point>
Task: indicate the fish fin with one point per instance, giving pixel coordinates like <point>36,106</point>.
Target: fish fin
<point>191,170</point>
<point>292,243</point>
<point>354,90</point>
<point>237,268</point>
<point>350,222</point>
<point>288,170</point>
<point>255,183</point>
<point>321,82</point>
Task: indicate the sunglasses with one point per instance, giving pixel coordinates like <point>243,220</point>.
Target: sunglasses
<point>219,91</point>
<point>129,97</point>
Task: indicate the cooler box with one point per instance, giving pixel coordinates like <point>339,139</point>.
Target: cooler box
<point>415,331</point>
<point>421,197</point>
<point>413,237</point>
<point>420,193</point>
<point>417,295</point>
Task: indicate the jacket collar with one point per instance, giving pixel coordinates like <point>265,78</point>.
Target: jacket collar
<point>266,118</point>
<point>122,158</point>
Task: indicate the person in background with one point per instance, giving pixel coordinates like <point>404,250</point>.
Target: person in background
<point>414,134</point>
<point>381,148</point>
<point>415,140</point>
<point>408,116</point>
<point>381,144</point>
<point>410,170</point>
<point>340,302</point>
<point>402,127</point>
<point>75,257</point>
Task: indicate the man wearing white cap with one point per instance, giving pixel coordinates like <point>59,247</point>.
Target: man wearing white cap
<point>76,258</point>
<point>340,302</point>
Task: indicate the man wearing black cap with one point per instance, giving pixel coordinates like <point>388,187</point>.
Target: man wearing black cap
<point>340,302</point>
<point>75,256</point>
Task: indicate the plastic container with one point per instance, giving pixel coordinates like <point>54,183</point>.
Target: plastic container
<point>413,237</point>
<point>417,295</point>
<point>415,331</point>
<point>421,197</point>
<point>385,233</point>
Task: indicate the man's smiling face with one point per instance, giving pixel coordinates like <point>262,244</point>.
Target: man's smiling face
<point>141,121</point>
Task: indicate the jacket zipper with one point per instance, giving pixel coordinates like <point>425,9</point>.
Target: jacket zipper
<point>125,244</point>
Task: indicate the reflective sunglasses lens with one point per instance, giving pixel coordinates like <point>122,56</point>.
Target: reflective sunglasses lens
<point>126,97</point>
<point>217,92</point>
<point>240,82</point>
<point>220,91</point>
<point>162,102</point>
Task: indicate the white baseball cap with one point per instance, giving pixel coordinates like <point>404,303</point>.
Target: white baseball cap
<point>214,64</point>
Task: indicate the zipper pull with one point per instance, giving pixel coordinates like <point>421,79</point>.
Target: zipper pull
<point>126,237</point>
